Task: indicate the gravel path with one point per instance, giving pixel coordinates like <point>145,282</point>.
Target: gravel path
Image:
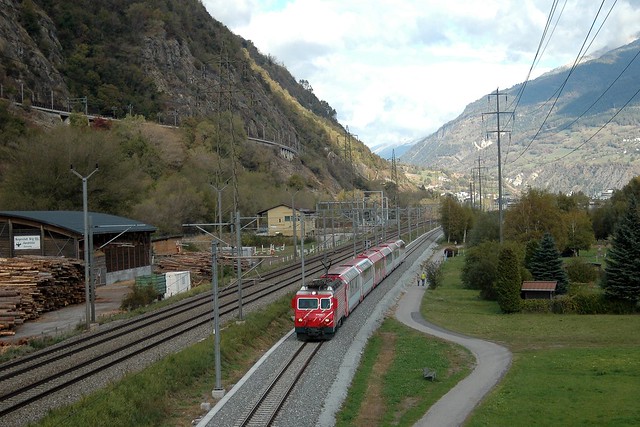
<point>492,362</point>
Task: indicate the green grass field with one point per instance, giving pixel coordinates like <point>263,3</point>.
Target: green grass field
<point>389,387</point>
<point>568,370</point>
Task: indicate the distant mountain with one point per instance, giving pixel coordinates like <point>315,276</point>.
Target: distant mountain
<point>387,150</point>
<point>569,131</point>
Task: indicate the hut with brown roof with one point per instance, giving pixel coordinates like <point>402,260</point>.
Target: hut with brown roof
<point>538,289</point>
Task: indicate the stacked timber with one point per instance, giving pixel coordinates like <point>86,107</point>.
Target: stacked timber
<point>9,315</point>
<point>198,263</point>
<point>30,286</point>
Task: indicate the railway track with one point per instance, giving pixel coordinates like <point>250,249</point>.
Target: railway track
<point>266,405</point>
<point>29,383</point>
<point>264,411</point>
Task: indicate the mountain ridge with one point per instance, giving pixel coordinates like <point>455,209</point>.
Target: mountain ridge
<point>549,150</point>
<point>170,61</point>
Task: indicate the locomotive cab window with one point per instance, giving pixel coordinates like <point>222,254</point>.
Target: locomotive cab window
<point>325,303</point>
<point>307,303</point>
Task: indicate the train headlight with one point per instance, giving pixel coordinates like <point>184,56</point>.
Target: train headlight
<point>300,320</point>
<point>327,320</point>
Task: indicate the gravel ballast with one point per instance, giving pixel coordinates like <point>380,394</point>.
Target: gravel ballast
<point>323,387</point>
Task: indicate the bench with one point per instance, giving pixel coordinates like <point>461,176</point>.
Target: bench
<point>429,374</point>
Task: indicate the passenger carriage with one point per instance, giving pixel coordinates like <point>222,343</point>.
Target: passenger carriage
<point>322,305</point>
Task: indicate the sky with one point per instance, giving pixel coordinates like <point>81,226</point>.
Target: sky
<point>397,70</point>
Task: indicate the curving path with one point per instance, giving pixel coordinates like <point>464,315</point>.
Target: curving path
<point>492,362</point>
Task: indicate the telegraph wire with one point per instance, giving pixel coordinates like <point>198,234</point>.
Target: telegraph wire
<point>598,131</point>
<point>539,51</point>
<point>564,83</point>
<point>580,60</point>
<point>601,95</point>
<point>536,59</point>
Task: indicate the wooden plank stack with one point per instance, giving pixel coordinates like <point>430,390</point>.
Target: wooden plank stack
<point>30,286</point>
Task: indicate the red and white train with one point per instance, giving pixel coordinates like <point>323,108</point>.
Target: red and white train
<point>321,306</point>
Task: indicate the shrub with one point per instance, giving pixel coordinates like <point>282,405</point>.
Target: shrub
<point>140,296</point>
<point>479,270</point>
<point>621,306</point>
<point>536,306</point>
<point>434,273</point>
<point>590,303</point>
<point>581,271</point>
<point>563,305</point>
<point>584,288</point>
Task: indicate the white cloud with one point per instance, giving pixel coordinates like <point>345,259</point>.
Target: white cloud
<point>396,70</point>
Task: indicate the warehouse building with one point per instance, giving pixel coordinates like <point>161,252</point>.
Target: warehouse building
<point>121,247</point>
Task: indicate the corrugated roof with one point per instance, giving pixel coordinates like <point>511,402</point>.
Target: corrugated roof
<point>538,286</point>
<point>74,221</point>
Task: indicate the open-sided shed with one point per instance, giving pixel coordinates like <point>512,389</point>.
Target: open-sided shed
<point>538,289</point>
<point>121,246</point>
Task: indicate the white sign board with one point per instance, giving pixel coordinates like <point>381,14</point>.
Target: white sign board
<point>26,242</point>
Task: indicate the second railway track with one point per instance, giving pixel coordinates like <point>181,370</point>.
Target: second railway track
<point>28,383</point>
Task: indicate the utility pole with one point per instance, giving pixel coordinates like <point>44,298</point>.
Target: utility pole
<point>239,265</point>
<point>480,169</point>
<point>479,183</point>
<point>293,219</point>
<point>85,209</point>
<point>498,131</point>
<point>219,191</point>
<point>218,391</point>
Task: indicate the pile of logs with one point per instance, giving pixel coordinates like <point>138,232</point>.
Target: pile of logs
<point>198,263</point>
<point>32,285</point>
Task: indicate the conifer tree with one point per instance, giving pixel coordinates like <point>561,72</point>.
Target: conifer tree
<point>546,264</point>
<point>622,274</point>
<point>508,281</point>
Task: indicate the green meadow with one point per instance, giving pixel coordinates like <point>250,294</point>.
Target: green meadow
<point>567,370</point>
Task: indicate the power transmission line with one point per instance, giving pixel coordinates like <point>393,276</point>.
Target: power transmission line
<point>498,131</point>
<point>564,83</point>
<point>600,129</point>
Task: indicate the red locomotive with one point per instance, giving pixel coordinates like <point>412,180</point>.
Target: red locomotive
<point>322,305</point>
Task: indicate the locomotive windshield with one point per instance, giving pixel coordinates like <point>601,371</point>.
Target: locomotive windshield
<point>307,303</point>
<point>312,303</point>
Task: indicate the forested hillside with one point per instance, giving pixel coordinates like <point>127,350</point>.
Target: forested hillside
<point>168,62</point>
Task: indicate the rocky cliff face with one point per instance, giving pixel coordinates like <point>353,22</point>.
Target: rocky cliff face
<point>30,53</point>
<point>168,61</point>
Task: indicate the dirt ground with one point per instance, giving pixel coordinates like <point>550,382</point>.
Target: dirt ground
<point>108,300</point>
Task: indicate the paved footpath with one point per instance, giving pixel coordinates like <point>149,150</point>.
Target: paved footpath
<point>492,362</point>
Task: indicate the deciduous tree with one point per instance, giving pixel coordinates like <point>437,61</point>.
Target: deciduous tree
<point>579,231</point>
<point>455,219</point>
<point>535,214</point>
<point>479,270</point>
